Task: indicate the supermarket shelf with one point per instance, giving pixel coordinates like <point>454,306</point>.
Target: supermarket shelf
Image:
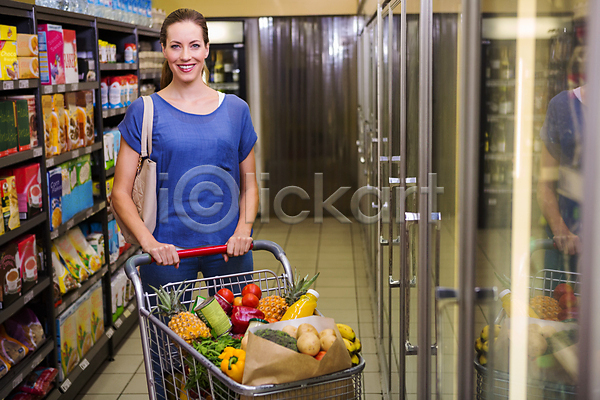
<point>15,9</point>
<point>81,374</point>
<point>77,219</point>
<point>15,376</point>
<point>25,226</point>
<point>70,297</point>
<point>114,26</point>
<point>118,66</point>
<point>498,156</point>
<point>110,172</point>
<point>123,257</point>
<point>497,190</point>
<point>123,324</point>
<point>69,87</point>
<point>110,216</point>
<point>150,74</point>
<point>26,155</point>
<point>24,299</point>
<point>19,84</point>
<point>510,117</point>
<point>113,111</point>
<point>225,86</point>
<point>61,17</point>
<point>69,155</point>
<point>149,32</point>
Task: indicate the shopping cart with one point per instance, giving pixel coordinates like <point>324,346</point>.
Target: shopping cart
<point>542,283</point>
<point>170,362</point>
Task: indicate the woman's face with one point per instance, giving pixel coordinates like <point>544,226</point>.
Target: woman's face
<point>185,51</point>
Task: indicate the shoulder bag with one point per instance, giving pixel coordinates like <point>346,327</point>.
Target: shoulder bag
<point>143,193</point>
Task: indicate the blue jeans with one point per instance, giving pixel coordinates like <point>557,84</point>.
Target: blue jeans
<point>157,275</point>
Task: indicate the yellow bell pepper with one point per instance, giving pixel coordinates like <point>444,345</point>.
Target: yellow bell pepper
<point>233,363</point>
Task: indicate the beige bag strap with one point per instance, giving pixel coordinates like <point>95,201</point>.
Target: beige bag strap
<point>147,124</point>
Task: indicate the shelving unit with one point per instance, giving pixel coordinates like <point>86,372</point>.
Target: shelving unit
<point>89,29</point>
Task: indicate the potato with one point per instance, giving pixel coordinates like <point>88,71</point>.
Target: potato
<point>547,331</point>
<point>327,341</point>
<point>304,328</point>
<point>537,345</point>
<point>535,328</point>
<point>290,330</point>
<point>309,343</point>
<point>326,332</point>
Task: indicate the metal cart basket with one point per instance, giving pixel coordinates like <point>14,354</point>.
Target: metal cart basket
<point>170,361</point>
<point>542,283</point>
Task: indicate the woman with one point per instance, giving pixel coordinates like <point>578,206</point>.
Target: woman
<point>202,142</point>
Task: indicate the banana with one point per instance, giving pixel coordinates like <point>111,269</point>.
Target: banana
<point>357,345</point>
<point>478,345</point>
<point>349,345</point>
<point>346,332</point>
<point>355,359</point>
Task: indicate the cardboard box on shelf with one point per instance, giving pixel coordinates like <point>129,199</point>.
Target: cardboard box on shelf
<point>70,56</point>
<point>21,111</point>
<point>8,32</point>
<point>10,203</point>
<point>96,240</point>
<point>29,190</point>
<point>66,332</point>
<point>50,119</point>
<point>27,45</point>
<point>109,150</point>
<point>8,129</point>
<point>86,252</point>
<point>97,317</point>
<point>70,256</point>
<point>10,276</point>
<point>27,260</point>
<point>58,107</point>
<point>28,67</point>
<point>74,136</point>
<point>85,101</point>
<point>55,197</point>
<point>51,43</point>
<point>84,324</point>
<point>32,116</point>
<point>8,61</point>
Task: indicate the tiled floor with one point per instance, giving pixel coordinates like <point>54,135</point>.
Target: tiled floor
<point>333,249</point>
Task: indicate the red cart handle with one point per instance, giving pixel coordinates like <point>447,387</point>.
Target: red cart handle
<point>205,251</point>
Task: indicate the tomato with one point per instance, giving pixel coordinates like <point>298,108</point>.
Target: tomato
<point>250,300</point>
<point>272,320</point>
<point>561,289</point>
<point>568,300</point>
<point>569,313</point>
<point>237,301</point>
<point>252,288</point>
<point>226,294</point>
<point>320,355</point>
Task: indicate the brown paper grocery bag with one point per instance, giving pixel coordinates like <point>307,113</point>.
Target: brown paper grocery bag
<point>269,363</point>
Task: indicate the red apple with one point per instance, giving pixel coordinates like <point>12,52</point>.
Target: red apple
<point>568,300</point>
<point>561,289</point>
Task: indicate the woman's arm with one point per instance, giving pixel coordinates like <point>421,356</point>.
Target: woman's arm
<point>239,243</point>
<point>125,171</point>
<point>565,240</point>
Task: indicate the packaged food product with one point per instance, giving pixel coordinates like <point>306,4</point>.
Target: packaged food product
<point>66,282</point>
<point>85,100</point>
<point>113,241</point>
<point>96,240</point>
<point>124,81</point>
<point>102,51</point>
<point>27,259</point>
<point>4,366</point>
<point>66,179</point>
<point>66,331</point>
<point>21,112</point>
<point>73,262</point>
<point>27,45</point>
<point>31,117</point>
<point>10,203</point>
<point>58,108</point>
<point>26,328</point>
<point>8,129</point>
<point>10,276</point>
<point>51,53</point>
<point>55,197</point>
<point>70,56</point>
<point>109,150</point>
<point>84,249</point>
<point>114,92</point>
<point>8,61</point>
<point>130,55</point>
<point>84,325</point>
<point>97,316</point>
<point>39,381</point>
<point>84,169</point>
<point>104,92</point>
<point>28,68</point>
<point>50,126</point>
<point>75,138</point>
<point>8,32</point>
<point>11,349</point>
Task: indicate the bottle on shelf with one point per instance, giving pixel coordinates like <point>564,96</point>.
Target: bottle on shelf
<point>219,74</point>
<point>304,307</point>
<point>228,66</point>
<point>487,172</point>
<point>505,101</point>
<point>500,138</point>
<point>236,68</point>
<point>494,63</point>
<point>505,67</point>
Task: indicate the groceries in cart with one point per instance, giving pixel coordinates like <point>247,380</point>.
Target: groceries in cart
<point>552,330</point>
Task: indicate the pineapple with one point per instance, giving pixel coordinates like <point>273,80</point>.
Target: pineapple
<point>299,288</point>
<point>545,307</point>
<point>273,306</point>
<point>185,324</point>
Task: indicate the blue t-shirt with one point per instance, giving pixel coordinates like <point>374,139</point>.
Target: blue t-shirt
<point>562,134</point>
<point>198,159</point>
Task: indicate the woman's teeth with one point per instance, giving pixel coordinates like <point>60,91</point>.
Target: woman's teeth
<point>186,68</point>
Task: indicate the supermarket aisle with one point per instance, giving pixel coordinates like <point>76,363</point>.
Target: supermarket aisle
<point>333,249</point>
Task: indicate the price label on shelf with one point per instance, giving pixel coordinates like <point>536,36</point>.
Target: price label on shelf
<point>17,381</point>
<point>75,153</point>
<point>8,85</point>
<point>50,162</point>
<point>74,86</point>
<point>119,66</point>
<point>70,223</point>
<point>37,152</point>
<point>47,89</point>
<point>28,296</point>
<point>127,313</point>
<point>23,84</point>
<point>87,150</point>
<point>131,308</point>
<point>66,385</point>
<point>84,364</point>
<point>60,88</point>
<point>110,332</point>
<point>118,323</point>
<point>54,235</point>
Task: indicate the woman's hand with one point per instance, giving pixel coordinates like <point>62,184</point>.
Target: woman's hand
<point>162,253</point>
<point>567,242</point>
<point>238,245</point>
